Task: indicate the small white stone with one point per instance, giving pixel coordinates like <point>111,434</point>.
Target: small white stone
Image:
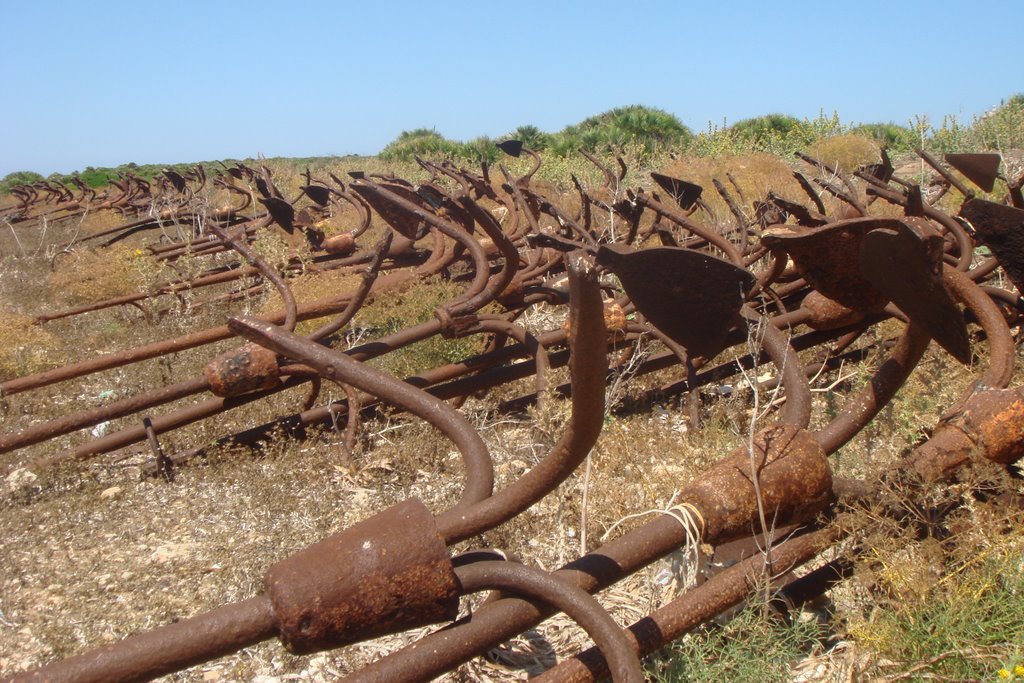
<point>20,479</point>
<point>171,551</point>
<point>112,492</point>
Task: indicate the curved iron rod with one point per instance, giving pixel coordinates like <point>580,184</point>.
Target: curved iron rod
<point>499,326</point>
<point>342,369</point>
<point>475,296</point>
<point>588,364</point>
<point>609,639</point>
<point>891,375</point>
<point>727,247</point>
<point>694,607</point>
<point>887,380</point>
<point>997,333</point>
<point>362,292</point>
<point>797,409</point>
<point>268,271</point>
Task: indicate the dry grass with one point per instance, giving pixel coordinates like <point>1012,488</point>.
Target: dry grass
<point>24,347</point>
<point>846,152</point>
<point>757,174</point>
<point>87,275</point>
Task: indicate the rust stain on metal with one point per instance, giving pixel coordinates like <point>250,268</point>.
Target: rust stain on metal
<point>794,477</point>
<point>1001,229</point>
<point>245,369</point>
<point>907,267</point>
<point>691,296</point>
<point>996,420</point>
<point>342,243</point>
<point>827,257</point>
<point>614,320</point>
<point>386,574</point>
<point>407,224</point>
<point>989,425</point>
<point>828,314</point>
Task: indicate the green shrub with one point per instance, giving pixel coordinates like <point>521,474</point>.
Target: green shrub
<point>421,142</point>
<point>396,310</point>
<point>891,136</point>
<point>780,125</point>
<point>647,127</point>
<point>429,144</point>
<point>479,149</point>
<point>937,618</point>
<point>531,136</point>
<point>18,178</point>
<point>1002,128</point>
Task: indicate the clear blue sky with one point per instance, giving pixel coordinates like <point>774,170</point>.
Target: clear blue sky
<point>100,84</point>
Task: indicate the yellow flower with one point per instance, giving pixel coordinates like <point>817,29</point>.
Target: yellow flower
<point>1004,673</point>
<point>1018,670</point>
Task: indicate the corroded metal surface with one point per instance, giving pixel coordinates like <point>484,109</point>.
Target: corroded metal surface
<point>828,258</point>
<point>248,368</point>
<point>990,425</point>
<point>1001,229</point>
<point>611,641</point>
<point>387,574</point>
<point>692,297</point>
<point>828,314</point>
<point>980,169</point>
<point>794,478</point>
<point>906,267</point>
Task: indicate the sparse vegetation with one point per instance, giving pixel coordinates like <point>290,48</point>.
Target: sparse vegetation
<point>888,135</point>
<point>24,347</point>
<point>747,649</point>
<point>86,275</point>
<point>948,603</point>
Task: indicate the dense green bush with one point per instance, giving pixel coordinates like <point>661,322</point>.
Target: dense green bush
<point>479,149</point>
<point>531,136</point>
<point>646,127</point>
<point>18,178</point>
<point>776,134</point>
<point>101,177</point>
<point>778,125</point>
<point>421,142</point>
<point>636,126</point>
<point>427,143</point>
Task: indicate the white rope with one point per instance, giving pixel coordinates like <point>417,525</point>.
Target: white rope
<point>688,515</point>
<point>693,524</point>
